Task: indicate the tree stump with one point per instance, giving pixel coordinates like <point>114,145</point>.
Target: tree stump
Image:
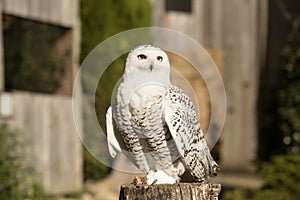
<point>180,191</point>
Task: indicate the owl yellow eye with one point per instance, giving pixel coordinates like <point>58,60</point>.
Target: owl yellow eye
<point>142,57</point>
<point>159,58</point>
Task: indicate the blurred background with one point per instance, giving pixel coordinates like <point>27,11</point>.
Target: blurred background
<point>255,44</point>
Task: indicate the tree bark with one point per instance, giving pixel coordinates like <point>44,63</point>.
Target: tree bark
<point>180,191</point>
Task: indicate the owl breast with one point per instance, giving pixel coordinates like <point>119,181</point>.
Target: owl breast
<point>147,115</point>
<point>146,109</point>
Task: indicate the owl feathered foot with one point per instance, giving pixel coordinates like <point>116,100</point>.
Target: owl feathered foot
<point>157,177</point>
<point>160,177</point>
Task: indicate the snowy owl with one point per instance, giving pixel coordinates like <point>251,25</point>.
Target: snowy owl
<point>155,123</point>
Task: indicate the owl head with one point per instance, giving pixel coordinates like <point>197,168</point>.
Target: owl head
<point>147,58</point>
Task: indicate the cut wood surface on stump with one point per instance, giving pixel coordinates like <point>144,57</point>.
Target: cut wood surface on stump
<point>180,191</point>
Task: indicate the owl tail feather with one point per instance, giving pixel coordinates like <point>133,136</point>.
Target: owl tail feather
<point>214,169</point>
<point>213,166</point>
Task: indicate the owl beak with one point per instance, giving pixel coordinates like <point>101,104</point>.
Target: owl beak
<point>151,66</point>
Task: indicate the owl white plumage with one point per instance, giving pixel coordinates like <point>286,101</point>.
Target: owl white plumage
<point>155,123</point>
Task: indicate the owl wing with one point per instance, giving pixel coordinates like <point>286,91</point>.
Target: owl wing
<point>128,144</point>
<point>113,144</point>
<point>182,121</point>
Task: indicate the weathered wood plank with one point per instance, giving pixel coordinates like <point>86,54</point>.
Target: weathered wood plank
<point>64,13</point>
<point>54,149</point>
<point>180,191</point>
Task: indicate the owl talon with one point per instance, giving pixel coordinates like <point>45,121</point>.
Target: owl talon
<point>159,177</point>
<point>154,182</point>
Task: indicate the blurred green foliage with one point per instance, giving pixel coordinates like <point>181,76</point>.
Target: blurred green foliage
<point>30,62</point>
<point>93,169</point>
<point>281,176</point>
<point>289,93</point>
<point>16,180</point>
<point>102,19</point>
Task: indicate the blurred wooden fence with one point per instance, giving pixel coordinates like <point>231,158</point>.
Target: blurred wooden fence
<point>52,143</point>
